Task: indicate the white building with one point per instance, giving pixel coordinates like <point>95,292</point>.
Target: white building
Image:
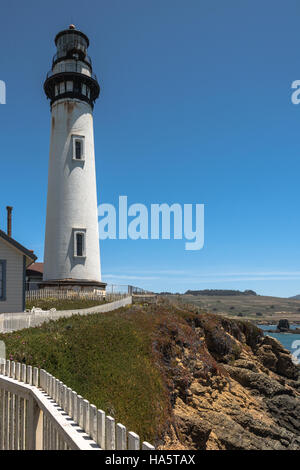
<point>14,259</point>
<point>72,253</point>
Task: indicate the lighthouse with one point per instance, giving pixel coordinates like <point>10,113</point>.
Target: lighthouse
<point>72,252</point>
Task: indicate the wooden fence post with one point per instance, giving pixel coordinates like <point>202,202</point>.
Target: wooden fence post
<point>147,446</point>
<point>93,422</point>
<point>74,407</point>
<point>101,429</point>
<point>110,432</point>
<point>86,416</point>
<point>121,432</point>
<point>34,428</point>
<point>79,411</point>
<point>23,373</point>
<point>18,371</point>
<point>133,441</point>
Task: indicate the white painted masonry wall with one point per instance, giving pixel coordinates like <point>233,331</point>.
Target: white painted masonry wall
<point>14,278</point>
<point>72,196</point>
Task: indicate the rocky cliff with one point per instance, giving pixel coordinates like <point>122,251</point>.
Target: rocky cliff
<point>229,386</point>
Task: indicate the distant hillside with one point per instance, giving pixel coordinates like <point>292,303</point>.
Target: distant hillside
<point>220,292</point>
<point>242,305</point>
<point>296,297</point>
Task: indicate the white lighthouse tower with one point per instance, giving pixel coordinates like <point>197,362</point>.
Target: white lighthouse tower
<point>72,254</point>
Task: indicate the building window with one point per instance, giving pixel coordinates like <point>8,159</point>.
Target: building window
<point>78,147</point>
<point>2,280</point>
<point>83,89</point>
<point>79,243</point>
<point>62,87</point>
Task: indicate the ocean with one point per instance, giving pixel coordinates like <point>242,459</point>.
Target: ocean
<point>288,340</point>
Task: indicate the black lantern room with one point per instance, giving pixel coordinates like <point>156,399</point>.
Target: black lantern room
<point>72,75</point>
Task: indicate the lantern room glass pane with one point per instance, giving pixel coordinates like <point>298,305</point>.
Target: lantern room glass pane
<point>69,86</point>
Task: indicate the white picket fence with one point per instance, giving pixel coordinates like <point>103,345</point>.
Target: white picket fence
<point>111,291</point>
<point>43,294</point>
<point>39,412</point>
<point>17,321</point>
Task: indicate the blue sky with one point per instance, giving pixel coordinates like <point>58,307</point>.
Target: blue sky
<point>195,107</point>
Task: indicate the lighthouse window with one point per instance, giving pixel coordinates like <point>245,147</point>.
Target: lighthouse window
<point>56,90</point>
<point>78,150</point>
<point>69,86</point>
<point>87,92</point>
<point>79,243</point>
<point>78,147</point>
<point>62,87</point>
<point>84,89</point>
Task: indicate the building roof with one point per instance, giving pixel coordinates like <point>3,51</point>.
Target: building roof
<point>18,246</point>
<point>36,268</point>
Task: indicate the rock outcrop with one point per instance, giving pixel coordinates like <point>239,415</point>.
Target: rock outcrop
<point>283,325</point>
<point>230,387</point>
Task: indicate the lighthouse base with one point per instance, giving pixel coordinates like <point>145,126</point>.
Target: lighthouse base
<point>76,285</point>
